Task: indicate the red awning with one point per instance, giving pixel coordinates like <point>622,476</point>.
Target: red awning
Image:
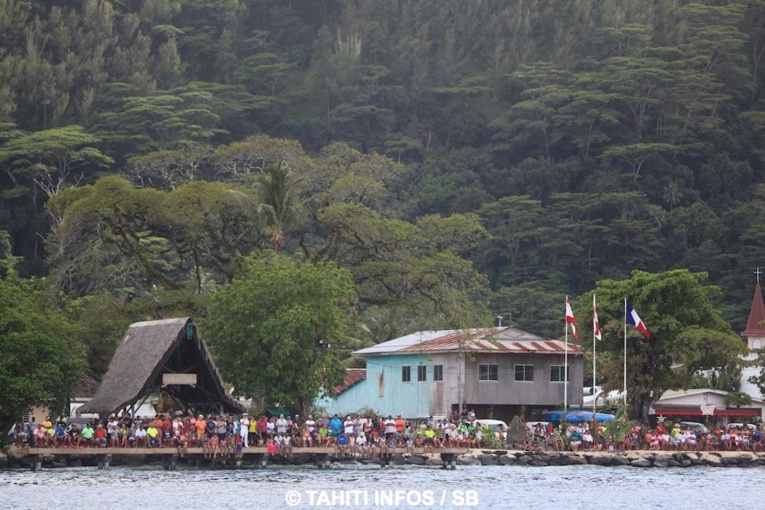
<point>737,412</point>
<point>695,411</point>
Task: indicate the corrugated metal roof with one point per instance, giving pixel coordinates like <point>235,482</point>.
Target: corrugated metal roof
<point>474,340</point>
<point>352,377</point>
<point>399,343</point>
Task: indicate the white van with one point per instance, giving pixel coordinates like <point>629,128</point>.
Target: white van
<point>496,426</point>
<point>740,426</point>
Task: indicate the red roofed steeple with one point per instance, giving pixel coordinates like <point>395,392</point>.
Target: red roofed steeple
<point>754,327</point>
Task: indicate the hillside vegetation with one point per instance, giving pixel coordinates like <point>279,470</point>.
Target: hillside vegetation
<point>462,159</point>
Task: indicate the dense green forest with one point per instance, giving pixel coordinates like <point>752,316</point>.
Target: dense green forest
<point>463,159</point>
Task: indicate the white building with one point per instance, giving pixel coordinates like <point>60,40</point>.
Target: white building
<point>755,340</point>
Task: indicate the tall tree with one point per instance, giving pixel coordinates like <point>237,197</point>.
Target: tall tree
<point>278,330</point>
<point>687,335</point>
<point>41,360</point>
<point>279,203</point>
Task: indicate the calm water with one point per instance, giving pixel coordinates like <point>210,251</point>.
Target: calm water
<point>500,487</point>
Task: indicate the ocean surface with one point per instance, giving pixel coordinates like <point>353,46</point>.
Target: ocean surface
<point>481,487</point>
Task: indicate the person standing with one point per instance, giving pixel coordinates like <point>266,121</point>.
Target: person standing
<point>244,429</point>
<point>281,425</point>
<point>336,425</point>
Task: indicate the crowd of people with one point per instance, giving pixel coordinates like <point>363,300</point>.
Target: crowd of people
<point>228,435</point>
<point>671,436</point>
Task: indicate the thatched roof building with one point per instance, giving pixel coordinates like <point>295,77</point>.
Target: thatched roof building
<point>166,355</point>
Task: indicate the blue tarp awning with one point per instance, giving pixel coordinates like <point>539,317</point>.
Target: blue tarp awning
<point>578,416</point>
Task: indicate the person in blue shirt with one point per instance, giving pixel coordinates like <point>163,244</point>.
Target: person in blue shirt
<point>342,443</point>
<point>336,425</point>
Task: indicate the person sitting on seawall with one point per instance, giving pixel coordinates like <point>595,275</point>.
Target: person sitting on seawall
<point>152,435</point>
<point>181,443</point>
<point>60,436</point>
<point>271,448</point>
<point>87,434</point>
<point>575,439</point>
<point>74,436</point>
<point>100,436</point>
<point>140,436</point>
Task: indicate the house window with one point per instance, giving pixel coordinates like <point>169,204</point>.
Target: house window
<point>438,372</point>
<point>406,373</point>
<point>422,373</point>
<point>524,373</point>
<point>557,373</point>
<point>487,373</point>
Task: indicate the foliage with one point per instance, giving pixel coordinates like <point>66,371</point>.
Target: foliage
<point>737,399</point>
<point>688,335</point>
<point>41,360</point>
<point>590,137</point>
<point>277,331</point>
<point>759,379</point>
<point>616,430</point>
<point>278,204</point>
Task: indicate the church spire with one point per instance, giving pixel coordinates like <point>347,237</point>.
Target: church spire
<point>754,326</point>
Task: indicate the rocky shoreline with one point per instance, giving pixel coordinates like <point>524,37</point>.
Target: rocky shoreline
<point>637,459</point>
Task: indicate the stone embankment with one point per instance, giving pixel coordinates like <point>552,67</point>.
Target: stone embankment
<point>639,459</point>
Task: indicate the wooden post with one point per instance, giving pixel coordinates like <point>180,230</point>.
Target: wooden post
<point>322,460</point>
<point>37,465</point>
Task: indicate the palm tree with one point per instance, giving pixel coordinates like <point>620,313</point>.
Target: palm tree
<point>278,203</point>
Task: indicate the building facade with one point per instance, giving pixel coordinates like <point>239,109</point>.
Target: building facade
<point>497,372</point>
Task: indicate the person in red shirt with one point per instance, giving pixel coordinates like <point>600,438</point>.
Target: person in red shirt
<point>262,429</point>
<point>166,432</point>
<point>100,436</point>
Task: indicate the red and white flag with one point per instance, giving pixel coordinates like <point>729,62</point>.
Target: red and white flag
<point>595,323</point>
<point>570,318</point>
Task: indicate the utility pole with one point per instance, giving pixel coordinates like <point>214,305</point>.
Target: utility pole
<point>459,374</point>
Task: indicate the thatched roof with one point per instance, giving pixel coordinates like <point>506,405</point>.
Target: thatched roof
<point>151,349</point>
<point>87,387</point>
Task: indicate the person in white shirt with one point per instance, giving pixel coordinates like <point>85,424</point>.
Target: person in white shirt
<point>281,425</point>
<point>361,443</point>
<point>140,437</point>
<point>244,429</point>
<point>390,428</point>
<point>348,426</point>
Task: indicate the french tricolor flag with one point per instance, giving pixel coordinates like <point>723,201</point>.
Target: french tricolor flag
<point>631,317</point>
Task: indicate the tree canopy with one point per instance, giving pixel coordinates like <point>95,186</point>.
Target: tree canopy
<point>460,160</point>
<point>41,360</point>
<point>687,335</point>
<point>278,330</point>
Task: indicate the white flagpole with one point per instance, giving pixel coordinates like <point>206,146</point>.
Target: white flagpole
<point>625,353</point>
<point>594,391</point>
<point>565,368</point>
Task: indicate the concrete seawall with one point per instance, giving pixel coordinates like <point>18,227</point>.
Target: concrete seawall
<point>637,459</point>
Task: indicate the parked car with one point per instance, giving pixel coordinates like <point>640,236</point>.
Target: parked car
<point>740,426</point>
<point>532,426</point>
<point>695,426</point>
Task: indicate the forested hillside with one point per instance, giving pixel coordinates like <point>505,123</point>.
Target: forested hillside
<point>462,158</point>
